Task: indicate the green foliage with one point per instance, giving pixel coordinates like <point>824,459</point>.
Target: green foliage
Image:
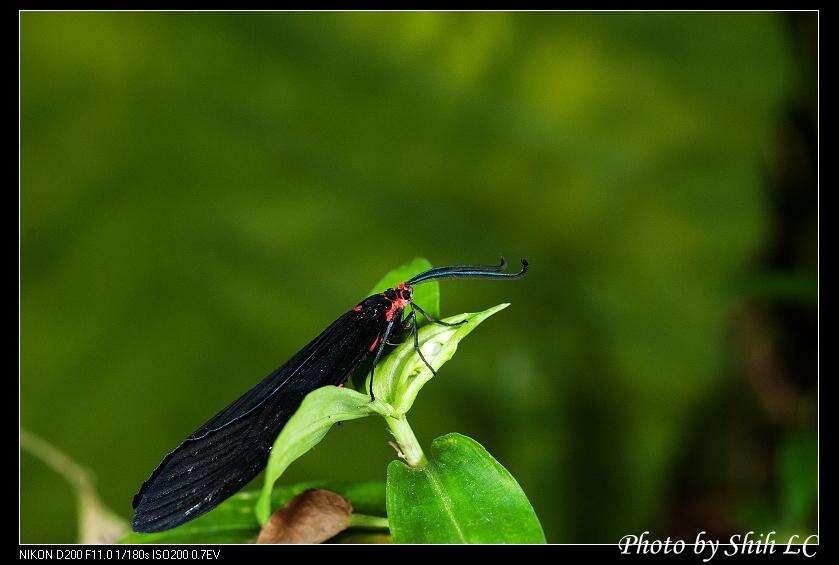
<point>462,495</point>
<point>234,521</point>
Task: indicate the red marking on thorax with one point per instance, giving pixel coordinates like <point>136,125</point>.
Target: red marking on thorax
<point>395,305</point>
<point>398,303</point>
<point>357,308</point>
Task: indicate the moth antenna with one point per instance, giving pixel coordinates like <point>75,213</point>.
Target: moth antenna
<point>469,272</point>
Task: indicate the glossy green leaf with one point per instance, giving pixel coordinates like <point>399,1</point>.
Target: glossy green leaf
<point>319,411</point>
<point>402,374</point>
<point>234,520</point>
<point>461,495</point>
<point>426,295</point>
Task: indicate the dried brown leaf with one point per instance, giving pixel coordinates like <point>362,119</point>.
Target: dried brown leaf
<point>312,516</point>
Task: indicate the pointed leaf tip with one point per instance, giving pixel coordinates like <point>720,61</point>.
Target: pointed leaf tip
<point>403,373</point>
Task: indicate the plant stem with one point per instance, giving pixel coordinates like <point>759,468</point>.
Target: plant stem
<point>408,444</point>
<point>78,476</point>
<point>368,522</point>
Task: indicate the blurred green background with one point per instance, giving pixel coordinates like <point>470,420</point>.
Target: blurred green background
<point>203,193</point>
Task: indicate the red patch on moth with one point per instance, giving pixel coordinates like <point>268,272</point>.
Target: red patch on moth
<point>357,308</point>
<point>399,302</point>
<point>375,342</point>
<point>395,305</point>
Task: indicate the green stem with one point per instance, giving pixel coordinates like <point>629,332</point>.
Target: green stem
<point>407,441</point>
<point>368,522</point>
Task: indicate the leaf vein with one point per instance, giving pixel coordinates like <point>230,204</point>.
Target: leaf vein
<point>444,499</point>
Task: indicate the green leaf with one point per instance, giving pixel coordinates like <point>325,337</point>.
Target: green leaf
<point>426,295</point>
<point>234,521</point>
<point>319,411</point>
<point>462,495</point>
<point>402,374</point>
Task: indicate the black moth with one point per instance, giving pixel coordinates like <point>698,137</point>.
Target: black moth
<point>228,451</point>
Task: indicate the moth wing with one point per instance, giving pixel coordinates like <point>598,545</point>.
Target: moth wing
<point>231,448</point>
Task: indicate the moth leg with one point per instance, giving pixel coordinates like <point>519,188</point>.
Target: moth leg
<point>434,320</point>
<point>379,350</point>
<point>406,326</point>
<point>417,347</point>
